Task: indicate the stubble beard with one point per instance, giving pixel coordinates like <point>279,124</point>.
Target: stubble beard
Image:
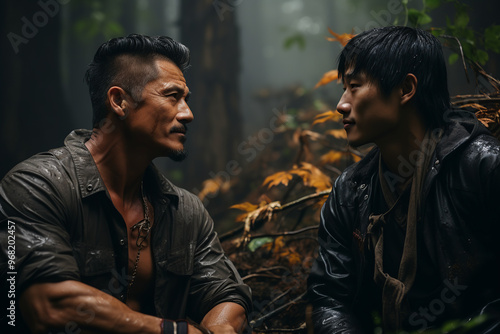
<point>177,155</point>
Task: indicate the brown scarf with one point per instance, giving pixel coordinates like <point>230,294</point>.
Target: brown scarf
<point>394,290</point>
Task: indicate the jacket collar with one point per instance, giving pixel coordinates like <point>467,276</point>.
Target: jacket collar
<point>462,126</point>
<point>89,179</point>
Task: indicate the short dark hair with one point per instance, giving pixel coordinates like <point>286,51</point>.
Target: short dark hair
<point>128,62</point>
<point>386,55</point>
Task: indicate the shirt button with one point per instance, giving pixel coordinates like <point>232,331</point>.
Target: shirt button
<point>122,242</point>
<point>362,187</point>
<point>436,162</point>
<point>366,197</point>
<point>90,187</point>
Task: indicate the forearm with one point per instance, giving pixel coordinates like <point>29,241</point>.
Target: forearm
<point>72,304</point>
<point>225,318</point>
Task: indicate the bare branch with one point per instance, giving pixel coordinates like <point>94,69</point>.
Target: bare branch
<point>461,53</point>
<point>280,234</point>
<point>271,314</point>
<point>261,275</point>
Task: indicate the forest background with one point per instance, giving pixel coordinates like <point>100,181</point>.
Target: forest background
<point>256,144</point>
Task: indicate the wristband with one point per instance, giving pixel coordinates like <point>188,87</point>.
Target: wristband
<point>168,327</point>
<point>182,327</point>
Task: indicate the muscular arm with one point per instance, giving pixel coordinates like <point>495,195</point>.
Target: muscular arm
<point>72,304</point>
<point>225,318</point>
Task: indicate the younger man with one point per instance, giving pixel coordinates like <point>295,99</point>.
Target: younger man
<point>410,231</point>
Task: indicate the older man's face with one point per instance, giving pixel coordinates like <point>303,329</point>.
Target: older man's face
<point>158,123</point>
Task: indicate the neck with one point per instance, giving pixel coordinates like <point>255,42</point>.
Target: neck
<point>400,149</point>
<point>120,164</point>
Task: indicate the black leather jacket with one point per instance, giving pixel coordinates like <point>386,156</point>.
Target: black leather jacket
<point>458,231</point>
<point>66,228</point>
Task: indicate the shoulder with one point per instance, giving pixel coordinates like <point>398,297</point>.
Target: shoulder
<point>52,166</point>
<point>481,153</point>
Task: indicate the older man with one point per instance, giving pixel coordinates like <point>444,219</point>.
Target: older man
<point>103,242</point>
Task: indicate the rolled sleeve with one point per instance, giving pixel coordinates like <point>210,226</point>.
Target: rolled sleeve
<point>215,280</point>
<point>32,203</point>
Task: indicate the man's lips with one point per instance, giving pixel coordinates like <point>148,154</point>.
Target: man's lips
<point>348,122</point>
<point>179,129</point>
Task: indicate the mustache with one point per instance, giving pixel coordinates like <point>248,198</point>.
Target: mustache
<point>180,128</point>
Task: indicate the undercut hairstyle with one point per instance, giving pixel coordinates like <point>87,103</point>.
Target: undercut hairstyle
<point>386,55</point>
<point>129,62</point>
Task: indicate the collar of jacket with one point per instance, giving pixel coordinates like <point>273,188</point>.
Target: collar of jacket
<point>461,127</point>
<point>90,181</point>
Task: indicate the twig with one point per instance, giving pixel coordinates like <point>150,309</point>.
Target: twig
<point>280,234</point>
<point>461,54</point>
<point>261,275</point>
<point>257,322</point>
<point>231,233</point>
<point>275,299</point>
<point>271,268</point>
<point>275,209</point>
<point>305,198</point>
<point>282,330</point>
<point>333,169</point>
<point>464,99</point>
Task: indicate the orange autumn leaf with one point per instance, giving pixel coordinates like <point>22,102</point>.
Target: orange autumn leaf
<point>337,133</point>
<point>312,176</point>
<point>248,207</point>
<point>327,116</point>
<point>331,157</point>
<point>341,38</point>
<point>355,157</point>
<point>277,179</point>
<point>209,187</point>
<point>292,256</point>
<point>327,78</point>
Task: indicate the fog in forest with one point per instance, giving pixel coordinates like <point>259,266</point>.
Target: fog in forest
<point>248,58</point>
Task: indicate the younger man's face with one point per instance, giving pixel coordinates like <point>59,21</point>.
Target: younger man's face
<point>368,116</point>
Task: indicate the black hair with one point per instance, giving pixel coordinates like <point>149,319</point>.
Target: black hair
<point>386,55</point>
<point>128,62</point>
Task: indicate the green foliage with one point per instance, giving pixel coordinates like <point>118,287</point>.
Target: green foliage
<point>297,39</point>
<point>103,19</point>
<point>492,38</point>
<point>418,17</point>
<point>259,242</point>
<point>473,43</point>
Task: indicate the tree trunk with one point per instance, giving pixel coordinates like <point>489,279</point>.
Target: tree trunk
<point>34,116</point>
<point>213,78</point>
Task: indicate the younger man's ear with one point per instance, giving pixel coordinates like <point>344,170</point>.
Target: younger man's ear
<point>408,88</point>
<point>118,101</point>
